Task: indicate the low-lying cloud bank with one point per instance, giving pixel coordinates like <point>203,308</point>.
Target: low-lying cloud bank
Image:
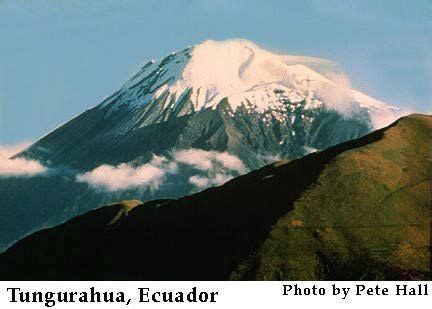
<point>336,93</point>
<point>125,176</point>
<point>19,166</point>
<point>211,168</point>
<point>206,160</point>
<point>202,182</point>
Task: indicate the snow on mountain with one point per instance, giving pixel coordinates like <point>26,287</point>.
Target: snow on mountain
<point>200,77</point>
<point>207,113</point>
<point>225,96</point>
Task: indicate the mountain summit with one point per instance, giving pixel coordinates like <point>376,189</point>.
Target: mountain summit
<point>193,119</point>
<point>245,75</point>
<point>226,96</point>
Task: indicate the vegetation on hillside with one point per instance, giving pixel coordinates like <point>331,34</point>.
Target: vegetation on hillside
<point>358,210</point>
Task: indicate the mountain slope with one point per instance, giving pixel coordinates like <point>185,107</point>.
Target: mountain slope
<point>229,97</point>
<point>240,88</point>
<point>368,216</point>
<point>358,210</point>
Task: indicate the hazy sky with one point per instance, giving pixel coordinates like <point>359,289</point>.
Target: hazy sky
<point>58,57</point>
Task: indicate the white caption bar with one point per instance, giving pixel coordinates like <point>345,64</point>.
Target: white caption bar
<point>159,294</point>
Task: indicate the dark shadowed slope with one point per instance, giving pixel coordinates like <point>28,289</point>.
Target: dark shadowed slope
<point>354,211</point>
<point>251,110</point>
<point>367,216</point>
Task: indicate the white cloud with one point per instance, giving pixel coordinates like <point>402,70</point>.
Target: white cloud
<point>230,162</point>
<point>222,165</point>
<point>9,151</point>
<point>19,166</point>
<point>206,160</point>
<point>348,102</point>
<point>218,166</point>
<point>197,158</point>
<point>203,182</point>
<point>338,96</point>
<point>213,168</point>
<point>200,181</point>
<point>124,176</point>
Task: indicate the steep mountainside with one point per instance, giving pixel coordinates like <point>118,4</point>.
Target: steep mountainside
<point>358,210</point>
<point>232,99</point>
<point>226,96</point>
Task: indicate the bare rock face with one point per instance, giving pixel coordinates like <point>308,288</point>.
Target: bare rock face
<point>355,211</point>
<point>233,105</point>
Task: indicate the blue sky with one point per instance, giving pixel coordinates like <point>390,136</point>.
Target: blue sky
<point>58,57</point>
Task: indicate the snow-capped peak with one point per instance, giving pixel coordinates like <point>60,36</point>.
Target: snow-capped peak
<point>218,70</point>
<point>244,74</point>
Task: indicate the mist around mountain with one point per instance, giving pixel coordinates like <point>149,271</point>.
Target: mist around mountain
<point>223,96</point>
<point>191,120</point>
<point>355,211</point>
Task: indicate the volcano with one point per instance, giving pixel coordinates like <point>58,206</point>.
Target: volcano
<point>225,96</point>
<point>193,119</point>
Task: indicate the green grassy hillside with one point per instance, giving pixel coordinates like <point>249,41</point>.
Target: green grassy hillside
<point>358,210</point>
<point>366,217</point>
